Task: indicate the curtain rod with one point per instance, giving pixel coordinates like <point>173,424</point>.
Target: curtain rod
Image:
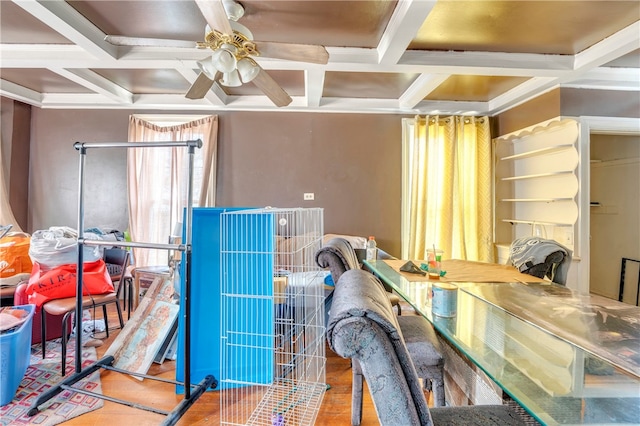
<point>81,145</point>
<point>467,119</point>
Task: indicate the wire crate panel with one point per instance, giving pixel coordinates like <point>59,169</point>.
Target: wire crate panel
<point>272,317</point>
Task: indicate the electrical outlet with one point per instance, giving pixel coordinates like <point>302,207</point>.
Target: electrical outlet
<point>568,237</point>
<point>309,196</point>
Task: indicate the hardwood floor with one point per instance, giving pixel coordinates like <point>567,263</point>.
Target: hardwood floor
<point>335,408</point>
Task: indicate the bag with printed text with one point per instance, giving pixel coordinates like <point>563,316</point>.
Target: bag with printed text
<point>15,263</point>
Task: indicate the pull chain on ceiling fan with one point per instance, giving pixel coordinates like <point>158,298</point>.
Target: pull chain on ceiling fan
<point>231,64</point>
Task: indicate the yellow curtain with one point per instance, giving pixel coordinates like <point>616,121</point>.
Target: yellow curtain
<point>157,180</point>
<point>447,188</point>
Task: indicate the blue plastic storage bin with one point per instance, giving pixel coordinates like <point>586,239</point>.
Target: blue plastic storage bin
<point>15,354</point>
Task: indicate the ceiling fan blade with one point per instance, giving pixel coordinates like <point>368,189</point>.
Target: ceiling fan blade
<point>293,52</point>
<point>152,42</point>
<point>215,15</point>
<point>200,87</point>
<point>271,89</point>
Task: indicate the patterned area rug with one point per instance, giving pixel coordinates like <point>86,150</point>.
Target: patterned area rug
<point>41,375</point>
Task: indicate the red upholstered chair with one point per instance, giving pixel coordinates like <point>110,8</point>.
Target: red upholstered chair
<point>119,260</point>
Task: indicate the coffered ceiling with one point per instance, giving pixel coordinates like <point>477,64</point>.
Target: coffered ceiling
<point>405,56</point>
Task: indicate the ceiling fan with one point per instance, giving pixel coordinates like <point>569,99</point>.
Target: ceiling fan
<point>232,62</point>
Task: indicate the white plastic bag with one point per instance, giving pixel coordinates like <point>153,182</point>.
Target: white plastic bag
<point>58,246</point>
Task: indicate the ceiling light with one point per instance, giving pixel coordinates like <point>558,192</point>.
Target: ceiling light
<point>206,66</point>
<point>224,59</point>
<point>239,28</point>
<point>248,69</point>
<point>234,9</point>
<point>231,79</point>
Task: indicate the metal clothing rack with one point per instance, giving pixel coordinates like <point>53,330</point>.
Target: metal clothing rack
<point>190,395</point>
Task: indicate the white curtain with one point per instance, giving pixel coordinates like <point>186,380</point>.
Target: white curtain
<point>447,191</point>
<point>157,180</point>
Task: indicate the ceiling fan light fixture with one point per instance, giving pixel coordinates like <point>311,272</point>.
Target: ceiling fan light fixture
<point>239,28</point>
<point>207,67</point>
<point>224,60</point>
<point>233,9</point>
<point>231,79</point>
<point>248,69</point>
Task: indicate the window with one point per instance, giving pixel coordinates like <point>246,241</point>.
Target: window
<point>447,198</point>
<point>158,180</point>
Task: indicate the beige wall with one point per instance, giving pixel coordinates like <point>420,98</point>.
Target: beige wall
<point>568,102</point>
<point>16,122</point>
<point>53,197</point>
<point>350,161</point>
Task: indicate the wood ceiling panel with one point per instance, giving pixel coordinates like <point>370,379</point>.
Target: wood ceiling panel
<point>358,23</point>
<point>146,81</point>
<point>18,26</point>
<point>366,84</point>
<point>551,27</point>
<point>473,88</point>
<point>169,19</point>
<point>42,80</point>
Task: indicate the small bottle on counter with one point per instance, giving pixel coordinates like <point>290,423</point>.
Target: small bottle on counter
<point>372,249</point>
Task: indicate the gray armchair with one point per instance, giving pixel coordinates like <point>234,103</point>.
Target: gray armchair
<point>363,327</point>
<point>339,256</point>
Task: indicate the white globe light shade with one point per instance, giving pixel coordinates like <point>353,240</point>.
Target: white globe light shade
<point>206,66</point>
<point>248,69</point>
<point>223,59</point>
<point>234,10</point>
<point>231,79</point>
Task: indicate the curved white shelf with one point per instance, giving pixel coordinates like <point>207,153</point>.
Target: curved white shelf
<point>535,200</point>
<point>535,222</point>
<point>539,175</point>
<point>536,152</point>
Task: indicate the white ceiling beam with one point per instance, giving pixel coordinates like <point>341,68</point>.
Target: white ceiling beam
<point>43,55</point>
<point>608,79</point>
<point>313,86</point>
<point>407,18</point>
<point>492,62</point>
<point>67,21</point>
<point>451,107</point>
<point>360,104</point>
<point>420,88</point>
<point>95,83</point>
<point>521,93</point>
<point>20,93</point>
<point>80,101</point>
<point>348,59</point>
<point>619,44</point>
<point>353,55</point>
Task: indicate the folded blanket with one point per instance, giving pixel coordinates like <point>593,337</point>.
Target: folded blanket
<point>528,252</point>
<point>11,318</point>
<point>341,248</point>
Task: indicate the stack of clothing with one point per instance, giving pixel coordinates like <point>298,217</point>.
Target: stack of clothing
<point>541,258</point>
